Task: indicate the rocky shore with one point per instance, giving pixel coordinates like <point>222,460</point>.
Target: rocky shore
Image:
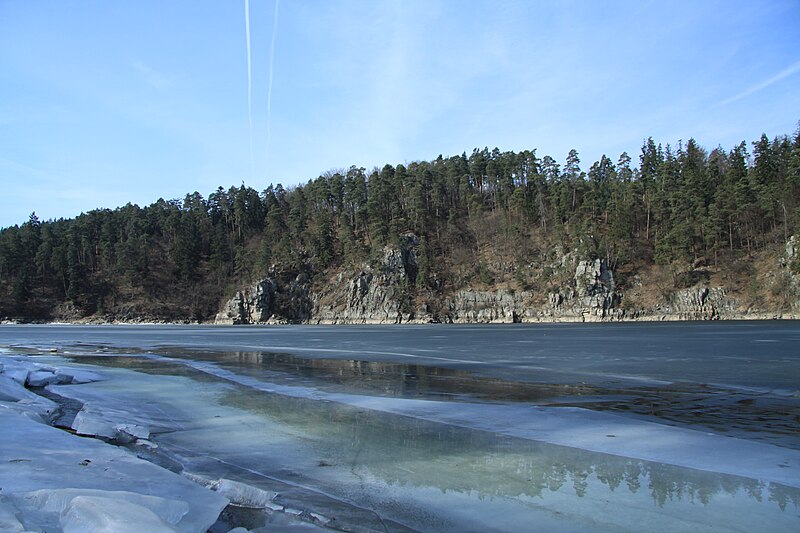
<point>584,290</point>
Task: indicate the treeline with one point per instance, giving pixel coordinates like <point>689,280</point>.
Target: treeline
<point>179,258</point>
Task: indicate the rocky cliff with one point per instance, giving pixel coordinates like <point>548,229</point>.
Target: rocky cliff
<point>268,301</point>
<point>590,295</point>
<point>581,290</point>
<point>702,303</point>
<point>374,294</point>
<point>790,264</point>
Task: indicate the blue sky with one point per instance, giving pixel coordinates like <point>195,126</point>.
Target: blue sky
<point>104,103</point>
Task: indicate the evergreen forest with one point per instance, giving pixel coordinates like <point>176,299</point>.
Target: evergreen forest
<point>479,218</point>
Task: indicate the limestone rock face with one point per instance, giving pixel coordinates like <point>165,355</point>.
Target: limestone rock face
<point>380,293</point>
<point>267,301</point>
<point>580,290</point>
<point>376,294</point>
<point>699,304</point>
<point>499,306</point>
<point>589,295</point>
<point>595,291</point>
<point>251,305</point>
<point>791,266</point>
<point>792,249</point>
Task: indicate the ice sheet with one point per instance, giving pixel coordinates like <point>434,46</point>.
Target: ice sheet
<point>10,517</point>
<point>244,495</point>
<point>41,463</point>
<point>59,500</point>
<point>431,465</point>
<point>732,353</point>
<point>15,397</point>
<point>444,465</point>
<point>84,514</point>
<point>568,426</point>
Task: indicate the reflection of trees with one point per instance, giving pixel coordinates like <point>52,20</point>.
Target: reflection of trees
<point>392,379</point>
<point>783,495</point>
<point>145,365</point>
<point>769,418</point>
<point>408,451</point>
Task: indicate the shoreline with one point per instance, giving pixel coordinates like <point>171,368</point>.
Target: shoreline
<point>96,321</point>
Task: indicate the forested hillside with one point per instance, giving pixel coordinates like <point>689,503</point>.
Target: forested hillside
<point>478,220</point>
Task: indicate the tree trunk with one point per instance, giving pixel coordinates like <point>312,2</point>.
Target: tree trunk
<point>785,224</point>
<point>730,234</point>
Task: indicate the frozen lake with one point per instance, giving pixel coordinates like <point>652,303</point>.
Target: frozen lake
<point>568,427</point>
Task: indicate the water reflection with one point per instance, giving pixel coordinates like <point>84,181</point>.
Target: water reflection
<point>739,413</point>
<point>389,379</point>
<point>411,452</point>
<point>735,412</point>
<point>427,475</point>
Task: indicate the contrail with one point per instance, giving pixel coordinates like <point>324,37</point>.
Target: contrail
<point>249,84</point>
<point>785,73</point>
<point>269,90</point>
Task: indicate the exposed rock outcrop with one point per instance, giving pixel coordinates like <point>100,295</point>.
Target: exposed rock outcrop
<point>375,295</point>
<point>790,264</point>
<point>468,306</point>
<point>268,301</point>
<point>589,295</point>
<point>595,296</point>
<point>580,290</point>
<point>251,305</point>
<point>699,304</point>
<point>792,251</point>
